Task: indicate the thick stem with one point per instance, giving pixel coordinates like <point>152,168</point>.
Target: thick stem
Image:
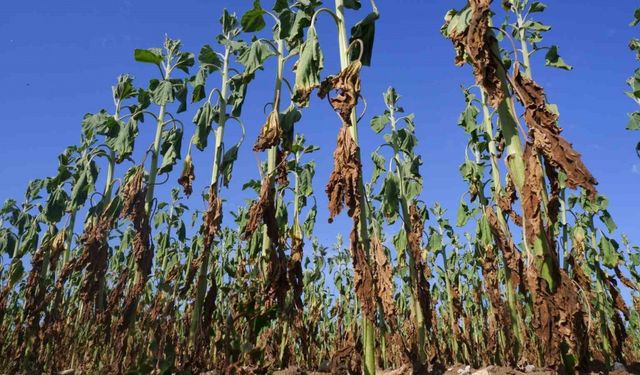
<point>273,151</point>
<point>368,325</point>
<point>201,286</point>
<point>416,308</point>
<point>450,307</point>
<point>67,246</point>
<point>516,322</point>
<point>155,155</point>
<point>515,163</point>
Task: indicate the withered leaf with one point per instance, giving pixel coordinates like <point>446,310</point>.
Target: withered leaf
<point>545,134</point>
<point>270,134</point>
<point>342,188</point>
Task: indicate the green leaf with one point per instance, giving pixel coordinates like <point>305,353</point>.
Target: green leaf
<point>208,59</point>
<point>378,165</point>
<point>84,183</point>
<point>185,61</point>
<point>238,85</point>
<point>352,4</point>
<point>305,179</point>
<point>464,214</point>
<point>170,149</point>
<point>8,242</point>
<point>636,18</point>
<point>228,21</point>
<point>536,26</point>
<point>554,60</point>
<point>161,92</point>
<point>467,119</point>
<point>16,271</point>
<point>288,119</point>
<point>295,33</point>
<point>253,57</point>
<point>484,231</point>
<point>124,144</point>
<point>391,97</point>
<point>379,122</point>
<point>634,121</point>
<point>228,160</point>
<point>537,7</point>
<point>124,88</point>
<point>180,93</point>
<point>400,242</point>
<point>390,197</point>
<point>606,218</point>
<point>151,55</point>
<point>435,243</point>
<point>280,5</point>
<point>101,123</point>
<point>308,68</point>
<point>364,31</point>
<point>253,20</point>
<point>609,251</point>
<point>54,209</point>
<point>203,120</point>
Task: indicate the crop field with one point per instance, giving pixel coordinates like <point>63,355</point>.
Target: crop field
<point>128,258</point>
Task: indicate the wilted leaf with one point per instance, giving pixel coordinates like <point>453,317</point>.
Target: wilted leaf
<point>379,122</point>
<point>170,149</point>
<point>228,160</point>
<point>253,57</point>
<point>308,68</point>
<point>364,31</point>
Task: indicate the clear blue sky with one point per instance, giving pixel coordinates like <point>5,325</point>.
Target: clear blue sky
<point>60,58</point>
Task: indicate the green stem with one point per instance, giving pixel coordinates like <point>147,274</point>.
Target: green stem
<point>67,247</point>
<point>416,308</point>
<point>273,151</point>
<point>450,308</point>
<point>283,343</point>
<point>516,322</point>
<point>515,163</point>
<point>155,154</point>
<point>368,325</point>
<point>201,286</point>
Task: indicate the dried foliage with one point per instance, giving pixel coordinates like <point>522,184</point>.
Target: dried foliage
<point>475,44</point>
<point>188,176</point>
<point>270,133</point>
<point>545,135</point>
<point>263,211</point>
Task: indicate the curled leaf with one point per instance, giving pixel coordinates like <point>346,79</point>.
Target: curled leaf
<point>270,134</point>
<point>188,176</point>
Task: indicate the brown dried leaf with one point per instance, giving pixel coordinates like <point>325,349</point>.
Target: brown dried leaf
<point>95,256</point>
<point>348,85</point>
<point>296,279</point>
<point>212,218</point>
<point>342,188</point>
<point>188,176</point>
<point>282,177</point>
<point>422,269</point>
<point>263,211</point>
<point>384,281</point>
<point>476,43</point>
<point>626,281</point>
<point>505,201</point>
<point>270,133</point>
<point>545,134</point>
<point>532,194</point>
<point>508,248</point>
<point>363,275</point>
